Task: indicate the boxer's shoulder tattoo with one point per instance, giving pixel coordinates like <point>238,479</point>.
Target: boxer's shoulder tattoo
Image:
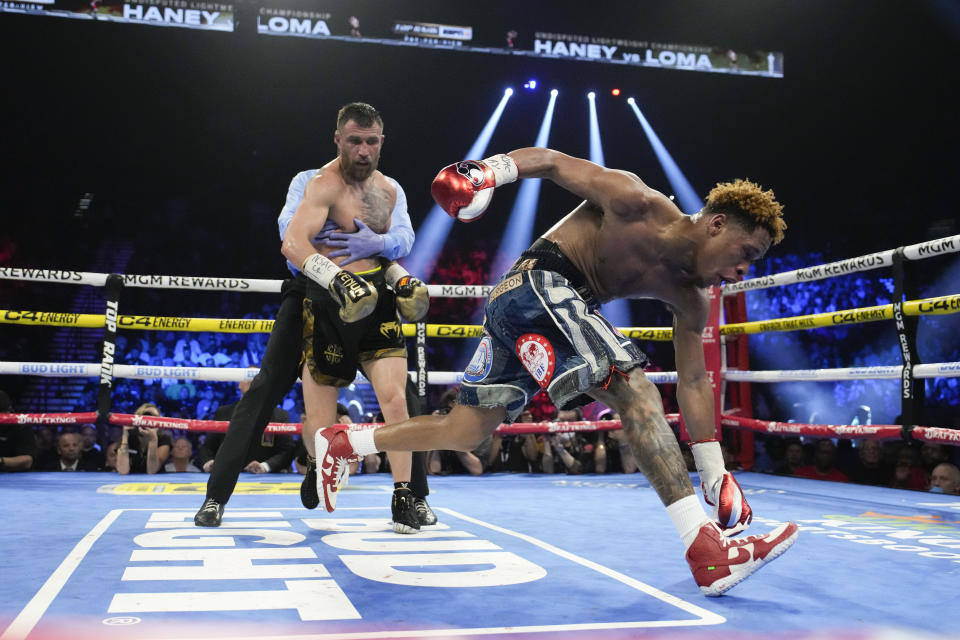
<point>376,209</point>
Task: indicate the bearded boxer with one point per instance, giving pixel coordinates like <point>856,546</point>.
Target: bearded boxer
<point>350,312</point>
<point>282,360</point>
<point>542,331</point>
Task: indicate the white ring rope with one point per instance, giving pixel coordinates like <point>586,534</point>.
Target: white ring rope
<point>241,285</point>
<point>919,251</point>
<point>933,370</point>
<point>950,244</point>
<point>215,374</point>
<point>237,374</point>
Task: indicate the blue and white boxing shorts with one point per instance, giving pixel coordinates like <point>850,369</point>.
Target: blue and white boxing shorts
<point>542,331</point>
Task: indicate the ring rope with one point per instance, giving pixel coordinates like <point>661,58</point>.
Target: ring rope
<point>938,435</point>
<point>213,374</point>
<point>939,305</point>
<point>246,325</point>
<point>205,283</point>
<point>871,432</point>
<point>931,370</point>
<point>238,374</point>
<point>919,251</point>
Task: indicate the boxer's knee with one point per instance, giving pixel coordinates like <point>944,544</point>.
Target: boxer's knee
<point>633,396</point>
<point>393,404</point>
<point>469,426</point>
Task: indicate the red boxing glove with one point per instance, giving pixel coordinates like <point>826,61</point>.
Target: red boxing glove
<point>464,189</point>
<point>730,509</point>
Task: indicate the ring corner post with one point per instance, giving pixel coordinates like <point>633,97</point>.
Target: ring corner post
<point>737,351</point>
<point>113,289</point>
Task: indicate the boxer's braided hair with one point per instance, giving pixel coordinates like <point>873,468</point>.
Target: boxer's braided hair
<point>750,205</point>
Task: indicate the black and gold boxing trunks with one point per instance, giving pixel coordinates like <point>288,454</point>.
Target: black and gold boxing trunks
<point>332,348</point>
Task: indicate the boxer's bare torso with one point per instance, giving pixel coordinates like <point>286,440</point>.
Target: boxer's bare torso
<point>642,255</point>
<point>371,201</point>
<point>631,241</point>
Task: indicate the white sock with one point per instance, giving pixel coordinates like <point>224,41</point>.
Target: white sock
<point>709,460</point>
<point>688,516</point>
<point>362,441</point>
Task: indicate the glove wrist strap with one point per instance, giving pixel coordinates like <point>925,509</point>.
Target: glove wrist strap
<point>709,460</point>
<point>320,269</point>
<point>504,169</point>
<point>393,273</point>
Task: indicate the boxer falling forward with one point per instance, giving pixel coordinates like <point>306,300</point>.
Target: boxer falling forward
<point>542,331</point>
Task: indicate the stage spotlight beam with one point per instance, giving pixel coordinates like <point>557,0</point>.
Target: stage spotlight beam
<point>616,311</point>
<point>434,230</point>
<point>687,198</point>
<point>518,234</point>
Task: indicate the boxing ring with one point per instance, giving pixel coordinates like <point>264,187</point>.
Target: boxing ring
<point>99,555</point>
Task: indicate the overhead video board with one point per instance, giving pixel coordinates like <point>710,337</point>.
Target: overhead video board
<point>427,32</point>
<point>191,14</point>
<point>389,24</point>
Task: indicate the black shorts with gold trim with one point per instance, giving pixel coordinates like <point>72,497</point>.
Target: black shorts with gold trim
<point>332,348</point>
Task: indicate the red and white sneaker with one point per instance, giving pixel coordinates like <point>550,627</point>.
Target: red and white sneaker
<point>334,453</point>
<point>730,509</point>
<point>718,562</point>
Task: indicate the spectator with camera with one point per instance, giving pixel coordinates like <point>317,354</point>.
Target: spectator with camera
<point>143,449</point>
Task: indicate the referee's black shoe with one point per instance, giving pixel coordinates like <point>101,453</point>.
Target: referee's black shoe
<point>210,514</point>
<point>308,488</point>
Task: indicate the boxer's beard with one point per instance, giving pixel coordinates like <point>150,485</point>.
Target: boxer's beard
<point>359,173</point>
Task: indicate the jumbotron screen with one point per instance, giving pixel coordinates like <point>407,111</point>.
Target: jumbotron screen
<point>396,24</point>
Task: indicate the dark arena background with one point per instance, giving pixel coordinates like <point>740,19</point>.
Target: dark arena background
<point>158,139</point>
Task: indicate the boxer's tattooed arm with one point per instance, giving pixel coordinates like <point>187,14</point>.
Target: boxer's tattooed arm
<point>655,448</point>
<point>377,205</point>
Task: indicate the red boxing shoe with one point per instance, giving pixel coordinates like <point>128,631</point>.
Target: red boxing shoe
<point>730,509</point>
<point>334,453</point>
<point>718,562</point>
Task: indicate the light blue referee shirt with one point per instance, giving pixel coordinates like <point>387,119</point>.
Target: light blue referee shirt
<point>397,242</point>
